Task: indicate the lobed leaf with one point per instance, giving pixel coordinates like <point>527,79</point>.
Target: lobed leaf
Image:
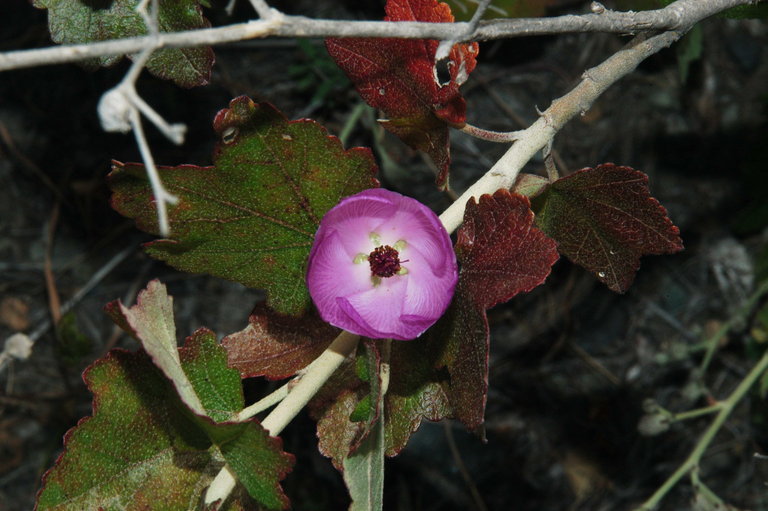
<point>501,255</point>
<point>350,410</point>
<point>143,450</point>
<point>86,21</point>
<point>251,217</point>
<point>277,346</point>
<point>399,77</point>
<point>605,219</point>
<point>416,391</point>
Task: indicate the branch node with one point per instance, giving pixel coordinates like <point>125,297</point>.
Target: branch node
<point>597,8</point>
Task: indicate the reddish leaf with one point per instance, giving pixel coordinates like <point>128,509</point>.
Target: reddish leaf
<point>501,255</point>
<point>398,76</point>
<point>415,393</point>
<point>353,391</point>
<point>277,346</point>
<point>604,219</point>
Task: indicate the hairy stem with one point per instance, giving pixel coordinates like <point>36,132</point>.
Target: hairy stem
<point>298,396</point>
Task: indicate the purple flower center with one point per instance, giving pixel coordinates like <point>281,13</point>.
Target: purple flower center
<point>384,261</point>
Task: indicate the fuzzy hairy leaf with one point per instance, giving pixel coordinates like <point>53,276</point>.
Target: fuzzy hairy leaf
<point>151,323</point>
<point>351,412</point>
<point>501,254</point>
<point>364,472</point>
<point>398,76</point>
<point>605,219</point>
<point>277,346</point>
<point>86,21</point>
<point>144,450</point>
<point>251,217</point>
<point>416,391</point>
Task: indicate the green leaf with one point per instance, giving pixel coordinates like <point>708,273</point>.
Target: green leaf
<point>87,21</point>
<point>529,185</point>
<point>364,472</point>
<point>605,219</point>
<point>250,218</point>
<point>73,346</point>
<point>143,450</point>
<point>151,323</point>
<point>205,393</point>
<point>416,391</point>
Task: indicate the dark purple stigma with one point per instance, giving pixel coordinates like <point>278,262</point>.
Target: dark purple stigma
<point>384,261</point>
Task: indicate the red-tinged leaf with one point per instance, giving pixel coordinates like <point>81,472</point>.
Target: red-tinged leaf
<point>277,346</point>
<point>605,219</point>
<point>501,255</point>
<point>428,134</point>
<point>79,21</point>
<point>250,218</point>
<point>398,76</point>
<point>349,409</point>
<point>143,450</point>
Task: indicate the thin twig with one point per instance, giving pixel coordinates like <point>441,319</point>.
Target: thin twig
<point>266,402</point>
<point>262,9</point>
<point>491,136</point>
<point>673,17</point>
<point>477,497</point>
<point>97,277</point>
<point>444,48</point>
<point>706,438</point>
<point>594,82</point>
<point>161,196</point>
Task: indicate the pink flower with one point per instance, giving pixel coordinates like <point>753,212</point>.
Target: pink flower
<point>382,266</point>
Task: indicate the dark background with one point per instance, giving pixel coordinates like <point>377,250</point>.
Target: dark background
<point>571,362</point>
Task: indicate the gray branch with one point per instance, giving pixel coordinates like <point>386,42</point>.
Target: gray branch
<point>672,17</point>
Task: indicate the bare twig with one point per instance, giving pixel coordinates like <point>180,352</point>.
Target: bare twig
<point>672,17</point>
<point>119,111</point>
<point>262,9</point>
<point>444,48</point>
<point>692,462</point>
<point>319,372</point>
<point>594,82</point>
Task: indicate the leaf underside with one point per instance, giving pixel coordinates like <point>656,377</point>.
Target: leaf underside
<point>87,21</point>
<point>277,346</point>
<point>251,217</point>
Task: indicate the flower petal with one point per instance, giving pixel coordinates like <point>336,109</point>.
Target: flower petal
<point>332,273</point>
<point>401,306</point>
<point>376,312</point>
